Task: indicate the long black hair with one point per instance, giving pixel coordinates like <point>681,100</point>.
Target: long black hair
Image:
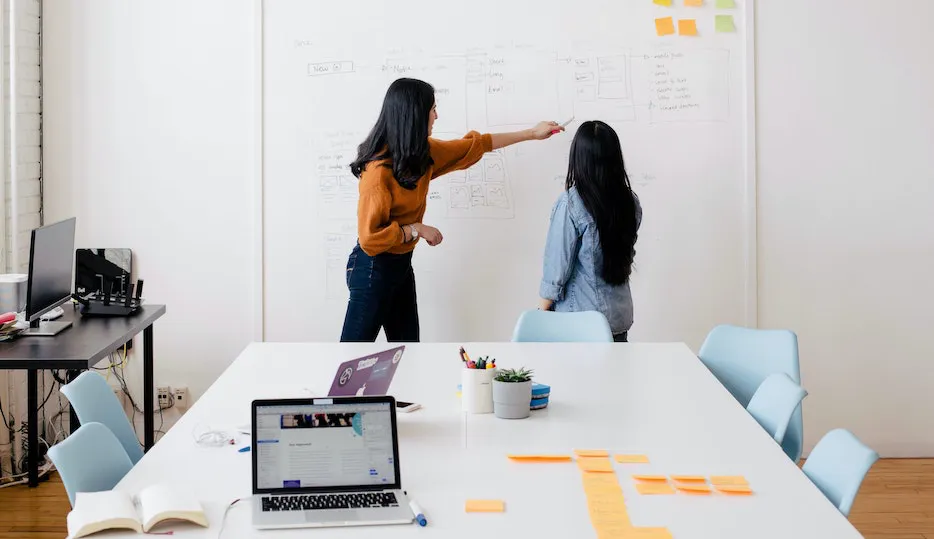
<point>400,133</point>
<point>597,169</point>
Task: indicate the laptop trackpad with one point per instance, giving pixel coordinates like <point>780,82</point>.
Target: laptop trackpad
<point>329,516</point>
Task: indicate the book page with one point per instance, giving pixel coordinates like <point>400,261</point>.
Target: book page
<point>96,511</point>
<point>159,502</point>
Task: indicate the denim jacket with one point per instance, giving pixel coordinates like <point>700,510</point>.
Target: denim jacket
<point>573,260</point>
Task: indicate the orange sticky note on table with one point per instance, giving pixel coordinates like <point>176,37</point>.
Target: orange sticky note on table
<point>654,487</point>
<point>728,480</point>
<point>689,478</point>
<point>665,26</point>
<point>540,458</point>
<point>738,490</point>
<point>687,27</point>
<point>600,465</point>
<point>695,488</point>
<point>632,459</point>
<point>650,478</point>
<point>591,452</point>
<point>485,506</point>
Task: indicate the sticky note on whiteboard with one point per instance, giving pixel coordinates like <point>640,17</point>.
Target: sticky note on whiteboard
<point>666,3</point>
<point>665,26</point>
<point>687,27</point>
<point>724,24</point>
<point>726,4</point>
<point>694,3</point>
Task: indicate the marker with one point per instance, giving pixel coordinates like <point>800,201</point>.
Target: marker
<point>243,449</point>
<point>565,124</point>
<point>419,515</point>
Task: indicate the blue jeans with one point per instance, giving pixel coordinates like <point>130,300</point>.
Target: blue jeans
<point>382,295</point>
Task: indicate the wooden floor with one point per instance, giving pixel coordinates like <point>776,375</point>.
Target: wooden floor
<point>895,502</point>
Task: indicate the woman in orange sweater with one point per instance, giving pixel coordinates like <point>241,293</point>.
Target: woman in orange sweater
<point>395,164</point>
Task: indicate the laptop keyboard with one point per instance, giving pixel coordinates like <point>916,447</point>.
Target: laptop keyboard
<point>311,502</point>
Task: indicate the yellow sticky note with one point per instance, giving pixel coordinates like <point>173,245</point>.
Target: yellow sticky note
<point>654,487</point>
<point>666,3</point>
<point>694,3</point>
<point>741,490</point>
<point>591,452</point>
<point>650,478</point>
<point>689,478</point>
<point>600,465</point>
<point>726,4</point>
<point>724,24</point>
<point>687,27</point>
<point>728,480</point>
<point>485,506</point>
<point>540,458</point>
<point>694,488</point>
<point>665,26</point>
<point>632,459</point>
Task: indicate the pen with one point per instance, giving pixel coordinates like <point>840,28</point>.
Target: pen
<point>243,449</point>
<point>419,514</point>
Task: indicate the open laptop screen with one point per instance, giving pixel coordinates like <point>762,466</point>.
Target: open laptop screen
<point>325,447</point>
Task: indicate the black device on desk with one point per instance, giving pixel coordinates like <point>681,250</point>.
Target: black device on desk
<point>107,304</point>
<point>51,251</point>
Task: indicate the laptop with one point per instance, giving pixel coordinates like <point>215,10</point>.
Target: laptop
<point>368,375</point>
<point>326,462</point>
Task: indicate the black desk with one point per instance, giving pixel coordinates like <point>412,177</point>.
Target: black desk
<point>81,347</point>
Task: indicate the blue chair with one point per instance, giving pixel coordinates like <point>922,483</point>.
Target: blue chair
<point>549,326</point>
<point>94,402</point>
<point>837,466</point>
<point>90,460</point>
<point>741,358</point>
<point>774,403</point>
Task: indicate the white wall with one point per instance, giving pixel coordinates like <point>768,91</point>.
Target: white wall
<point>149,141</point>
<point>151,103</point>
<point>846,191</point>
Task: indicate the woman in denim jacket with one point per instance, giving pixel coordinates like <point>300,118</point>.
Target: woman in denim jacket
<point>591,240</point>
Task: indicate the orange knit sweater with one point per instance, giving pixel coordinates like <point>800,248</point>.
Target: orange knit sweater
<point>384,205</point>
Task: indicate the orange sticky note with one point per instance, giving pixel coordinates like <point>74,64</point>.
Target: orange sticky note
<point>654,487</point>
<point>632,459</point>
<point>540,458</point>
<point>650,478</point>
<point>689,478</point>
<point>739,490</point>
<point>694,3</point>
<point>485,506</point>
<point>666,3</point>
<point>665,26</point>
<point>728,480</point>
<point>591,452</point>
<point>695,489</point>
<point>687,27</point>
<point>648,533</point>
<point>600,465</point>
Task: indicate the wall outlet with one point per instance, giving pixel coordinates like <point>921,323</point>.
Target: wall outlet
<point>181,398</point>
<point>164,396</point>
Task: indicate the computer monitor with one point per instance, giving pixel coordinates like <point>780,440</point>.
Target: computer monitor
<point>51,261</point>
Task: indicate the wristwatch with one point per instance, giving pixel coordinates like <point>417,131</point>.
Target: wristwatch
<point>414,232</point>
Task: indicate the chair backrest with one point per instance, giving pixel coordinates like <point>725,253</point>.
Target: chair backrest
<point>775,402</point>
<point>90,460</point>
<point>837,466</point>
<point>741,358</point>
<point>549,326</point>
<point>94,401</point>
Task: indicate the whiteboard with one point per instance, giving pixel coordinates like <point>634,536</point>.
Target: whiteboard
<point>681,105</point>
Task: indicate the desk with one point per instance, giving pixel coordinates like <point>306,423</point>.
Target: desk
<point>80,347</point>
<point>653,399</point>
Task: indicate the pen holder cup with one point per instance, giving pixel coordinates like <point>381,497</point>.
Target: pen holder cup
<point>477,390</point>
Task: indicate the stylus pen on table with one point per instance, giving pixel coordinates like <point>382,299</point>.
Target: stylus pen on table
<point>417,511</point>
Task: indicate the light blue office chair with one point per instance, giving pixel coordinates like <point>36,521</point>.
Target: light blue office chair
<point>837,465</point>
<point>741,358</point>
<point>90,460</point>
<point>94,401</point>
<point>775,402</point>
<point>549,326</point>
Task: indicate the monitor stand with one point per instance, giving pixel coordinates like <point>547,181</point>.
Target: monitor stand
<point>44,328</point>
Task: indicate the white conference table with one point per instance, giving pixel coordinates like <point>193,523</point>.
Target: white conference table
<point>652,399</point>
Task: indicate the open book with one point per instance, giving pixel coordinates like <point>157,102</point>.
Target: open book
<point>99,511</point>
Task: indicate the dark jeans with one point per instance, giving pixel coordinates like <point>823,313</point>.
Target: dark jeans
<point>382,295</point>
<point>621,337</point>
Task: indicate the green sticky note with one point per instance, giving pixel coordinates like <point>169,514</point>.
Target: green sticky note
<point>726,4</point>
<point>724,23</point>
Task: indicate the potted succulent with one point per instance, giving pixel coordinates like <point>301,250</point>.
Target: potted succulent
<point>512,393</point>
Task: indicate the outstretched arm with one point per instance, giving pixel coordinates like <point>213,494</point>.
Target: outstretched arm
<point>540,132</point>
